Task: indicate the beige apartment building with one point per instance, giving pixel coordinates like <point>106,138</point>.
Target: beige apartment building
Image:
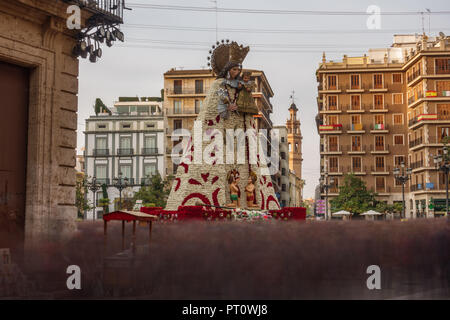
<point>184,92</point>
<point>384,109</point>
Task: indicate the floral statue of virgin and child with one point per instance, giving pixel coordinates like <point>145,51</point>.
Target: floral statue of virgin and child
<point>229,104</point>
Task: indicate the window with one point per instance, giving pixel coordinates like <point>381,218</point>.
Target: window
<point>443,88</point>
<point>333,162</point>
<point>282,139</point>
<point>101,126</point>
<point>333,143</point>
<point>177,86</point>
<point>283,155</point>
<point>125,142</point>
<point>100,171</point>
<point>356,164</point>
<point>177,106</point>
<point>398,160</point>
<point>379,183</point>
<point>150,142</point>
<point>378,101</point>
<point>379,143</point>
<point>379,163</point>
<point>149,169</point>
<point>332,83</point>
<point>443,132</point>
<point>354,81</point>
<point>198,86</point>
<point>101,143</point>
<point>378,81</point>
<point>443,111</point>
<point>379,119</point>
<point>332,120</point>
<point>396,78</point>
<point>356,102</point>
<point>397,98</point>
<point>442,66</point>
<point>175,167</point>
<point>334,185</point>
<point>198,105</point>
<point>126,126</point>
<point>332,102</point>
<point>356,143</point>
<point>398,139</point>
<point>283,171</point>
<point>296,147</point>
<point>126,170</point>
<point>177,124</point>
<point>398,119</point>
<point>283,187</point>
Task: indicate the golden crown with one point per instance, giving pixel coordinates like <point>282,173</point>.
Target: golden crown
<point>224,53</point>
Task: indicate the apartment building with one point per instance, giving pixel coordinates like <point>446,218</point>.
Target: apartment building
<point>383,109</point>
<point>130,140</point>
<point>184,92</point>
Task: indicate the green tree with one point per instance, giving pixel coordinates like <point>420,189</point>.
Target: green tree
<point>81,201</point>
<point>156,192</point>
<point>104,202</point>
<point>100,107</point>
<point>353,196</point>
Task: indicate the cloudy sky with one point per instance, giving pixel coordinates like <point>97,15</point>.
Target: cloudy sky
<point>288,47</point>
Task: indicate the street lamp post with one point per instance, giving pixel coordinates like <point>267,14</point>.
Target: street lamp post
<point>442,163</point>
<point>120,184</point>
<point>324,184</point>
<point>402,178</point>
<point>94,186</point>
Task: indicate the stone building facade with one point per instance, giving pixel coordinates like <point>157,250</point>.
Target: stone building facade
<point>36,62</point>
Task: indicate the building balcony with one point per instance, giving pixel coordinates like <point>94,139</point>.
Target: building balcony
<point>379,128</point>
<point>102,181</point>
<point>331,150</point>
<point>412,77</point>
<point>179,92</point>
<point>380,171</point>
<point>379,109</point>
<point>100,152</point>
<point>416,142</point>
<point>149,151</point>
<point>353,89</point>
<point>183,112</point>
<point>356,149</point>
<point>335,171</point>
<point>378,88</point>
<point>330,128</point>
<point>110,11</point>
<point>335,109</point>
<point>125,152</point>
<point>356,109</point>
<point>329,89</point>
<point>357,171</point>
<point>356,128</point>
<point>416,165</point>
<point>427,118</point>
<point>384,149</point>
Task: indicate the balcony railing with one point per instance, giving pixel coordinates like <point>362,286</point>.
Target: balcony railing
<point>182,111</point>
<point>335,169</point>
<point>356,148</point>
<point>379,148</point>
<point>125,152</point>
<point>100,152</point>
<point>357,169</point>
<point>417,164</point>
<point>110,10</point>
<point>355,127</point>
<point>414,99</point>
<point>417,187</point>
<point>149,151</point>
<point>380,169</point>
<point>380,126</point>
<point>415,142</point>
<point>413,75</point>
<point>181,91</point>
<point>103,181</point>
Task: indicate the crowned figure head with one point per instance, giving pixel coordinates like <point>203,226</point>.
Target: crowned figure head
<point>225,56</point>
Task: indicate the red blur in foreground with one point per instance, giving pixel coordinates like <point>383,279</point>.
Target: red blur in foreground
<point>206,213</point>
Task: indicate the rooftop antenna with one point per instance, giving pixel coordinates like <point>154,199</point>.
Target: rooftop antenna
<point>429,21</point>
<point>423,28</point>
